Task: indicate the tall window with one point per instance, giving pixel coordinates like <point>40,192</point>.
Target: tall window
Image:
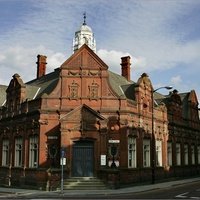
<point>131,152</point>
<point>169,154</point>
<point>33,151</point>
<point>146,153</point>
<point>178,154</point>
<point>192,155</point>
<point>158,153</point>
<point>18,152</point>
<point>198,154</point>
<point>186,154</point>
<point>5,153</point>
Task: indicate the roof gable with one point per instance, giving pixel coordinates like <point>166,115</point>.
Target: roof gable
<point>16,82</point>
<point>82,113</point>
<point>84,58</point>
<point>16,90</point>
<point>193,97</point>
<point>83,118</point>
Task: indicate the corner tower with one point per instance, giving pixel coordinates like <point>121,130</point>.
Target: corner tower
<point>84,36</point>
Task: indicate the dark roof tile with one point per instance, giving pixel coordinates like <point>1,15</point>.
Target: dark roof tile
<point>121,85</point>
<point>44,84</point>
<point>2,94</point>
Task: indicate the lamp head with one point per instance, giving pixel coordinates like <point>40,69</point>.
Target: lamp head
<point>165,87</point>
<point>168,87</point>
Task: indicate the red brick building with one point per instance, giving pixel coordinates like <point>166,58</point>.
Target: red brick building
<point>101,120</point>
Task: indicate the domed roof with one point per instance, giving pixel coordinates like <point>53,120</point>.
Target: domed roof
<point>85,27</point>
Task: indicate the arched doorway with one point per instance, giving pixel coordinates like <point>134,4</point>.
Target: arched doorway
<point>83,159</point>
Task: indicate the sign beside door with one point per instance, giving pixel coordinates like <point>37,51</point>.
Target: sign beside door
<point>103,160</point>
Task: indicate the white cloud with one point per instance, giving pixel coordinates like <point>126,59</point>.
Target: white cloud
<point>150,32</point>
<point>2,58</point>
<point>144,29</point>
<point>176,80</point>
<point>113,59</point>
<point>55,60</point>
<point>21,60</point>
<point>156,34</point>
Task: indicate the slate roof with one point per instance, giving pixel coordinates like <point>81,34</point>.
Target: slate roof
<point>125,88</point>
<point>121,86</point>
<point>183,95</point>
<point>45,84</point>
<point>2,94</point>
<point>35,88</point>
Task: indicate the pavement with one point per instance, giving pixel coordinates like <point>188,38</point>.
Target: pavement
<point>6,192</point>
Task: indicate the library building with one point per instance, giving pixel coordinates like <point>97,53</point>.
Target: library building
<point>85,122</point>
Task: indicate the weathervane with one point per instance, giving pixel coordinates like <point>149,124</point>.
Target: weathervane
<point>84,16</point>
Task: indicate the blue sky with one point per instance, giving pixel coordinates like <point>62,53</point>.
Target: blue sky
<point>161,36</point>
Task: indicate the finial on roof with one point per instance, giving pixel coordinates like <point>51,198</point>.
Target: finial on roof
<point>84,17</point>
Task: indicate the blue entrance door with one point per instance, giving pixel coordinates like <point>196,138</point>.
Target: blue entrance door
<point>83,159</point>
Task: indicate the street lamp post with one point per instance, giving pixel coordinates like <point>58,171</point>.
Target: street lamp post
<point>153,146</point>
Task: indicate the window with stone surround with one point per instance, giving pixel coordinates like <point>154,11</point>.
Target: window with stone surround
<point>146,153</point>
<point>158,153</point>
<point>131,152</point>
<point>18,151</point>
<point>33,151</point>
<point>198,154</point>
<point>192,155</point>
<point>186,154</point>
<point>5,152</point>
<point>169,153</point>
<point>178,154</point>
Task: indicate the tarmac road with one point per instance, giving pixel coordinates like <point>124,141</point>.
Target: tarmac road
<point>180,189</point>
<point>184,191</point>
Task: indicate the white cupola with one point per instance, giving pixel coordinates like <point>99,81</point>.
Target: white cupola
<point>84,36</point>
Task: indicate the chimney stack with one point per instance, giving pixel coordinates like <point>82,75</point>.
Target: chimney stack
<point>126,67</point>
<point>41,65</point>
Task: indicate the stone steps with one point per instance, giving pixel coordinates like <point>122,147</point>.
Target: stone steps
<point>83,183</point>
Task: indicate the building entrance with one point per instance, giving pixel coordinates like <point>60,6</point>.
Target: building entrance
<point>83,159</point>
